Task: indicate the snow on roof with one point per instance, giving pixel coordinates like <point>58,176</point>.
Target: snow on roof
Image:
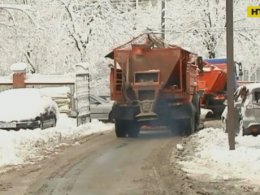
<point>55,91</point>
<point>6,79</point>
<point>17,67</point>
<point>38,78</point>
<point>216,60</point>
<point>251,86</point>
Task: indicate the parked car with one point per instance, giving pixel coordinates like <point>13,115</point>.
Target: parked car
<point>247,105</point>
<point>100,109</point>
<point>26,108</point>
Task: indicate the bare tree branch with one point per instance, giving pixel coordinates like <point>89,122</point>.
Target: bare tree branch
<point>22,8</point>
<point>6,25</point>
<point>248,38</point>
<point>11,15</point>
<point>30,62</point>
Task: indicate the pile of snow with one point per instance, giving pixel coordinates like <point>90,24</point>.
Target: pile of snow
<point>23,104</point>
<point>61,95</point>
<point>213,159</point>
<point>26,146</point>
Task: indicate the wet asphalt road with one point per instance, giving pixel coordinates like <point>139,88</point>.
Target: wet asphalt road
<point>111,168</point>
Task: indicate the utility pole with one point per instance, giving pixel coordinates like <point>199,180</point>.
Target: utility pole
<point>163,19</point>
<point>231,116</point>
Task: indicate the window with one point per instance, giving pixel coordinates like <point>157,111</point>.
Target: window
<point>257,96</point>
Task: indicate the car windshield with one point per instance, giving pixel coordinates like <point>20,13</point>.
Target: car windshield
<point>257,96</point>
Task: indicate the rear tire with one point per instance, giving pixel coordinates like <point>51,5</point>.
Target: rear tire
<point>120,128</point>
<point>189,125</point>
<point>133,129</point>
<point>197,123</point>
<point>175,127</point>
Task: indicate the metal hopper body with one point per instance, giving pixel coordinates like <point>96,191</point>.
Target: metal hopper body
<point>147,72</point>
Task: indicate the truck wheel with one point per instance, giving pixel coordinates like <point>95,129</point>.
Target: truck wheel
<point>133,129</point>
<point>175,127</point>
<point>197,123</point>
<point>121,128</point>
<point>189,126</point>
<point>196,103</point>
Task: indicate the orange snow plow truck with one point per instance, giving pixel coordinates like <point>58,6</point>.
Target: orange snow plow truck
<point>154,84</point>
<point>212,82</point>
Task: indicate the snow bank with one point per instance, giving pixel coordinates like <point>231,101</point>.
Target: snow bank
<point>25,146</point>
<point>23,104</point>
<point>212,157</point>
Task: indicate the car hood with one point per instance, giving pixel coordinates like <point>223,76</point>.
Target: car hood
<point>17,108</point>
<point>20,112</point>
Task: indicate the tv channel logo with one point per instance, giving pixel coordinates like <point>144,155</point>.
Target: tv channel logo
<point>253,11</point>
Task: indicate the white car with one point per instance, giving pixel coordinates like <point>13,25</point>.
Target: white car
<point>26,108</point>
<point>100,109</point>
<point>247,105</point>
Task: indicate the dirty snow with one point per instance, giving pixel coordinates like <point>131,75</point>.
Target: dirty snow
<point>210,157</point>
<point>26,146</point>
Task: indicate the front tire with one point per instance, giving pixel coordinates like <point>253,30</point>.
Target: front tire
<point>189,125</point>
<point>54,122</point>
<point>41,125</point>
<point>133,129</point>
<point>110,118</point>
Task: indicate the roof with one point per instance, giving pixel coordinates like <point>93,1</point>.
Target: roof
<point>251,86</point>
<point>216,60</point>
<point>39,79</point>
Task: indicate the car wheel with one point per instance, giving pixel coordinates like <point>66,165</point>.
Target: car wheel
<point>41,124</point>
<point>110,118</point>
<point>54,121</point>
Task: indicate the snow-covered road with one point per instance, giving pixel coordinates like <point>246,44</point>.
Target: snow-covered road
<point>206,153</point>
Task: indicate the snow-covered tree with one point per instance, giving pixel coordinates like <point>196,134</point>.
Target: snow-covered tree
<point>54,35</point>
